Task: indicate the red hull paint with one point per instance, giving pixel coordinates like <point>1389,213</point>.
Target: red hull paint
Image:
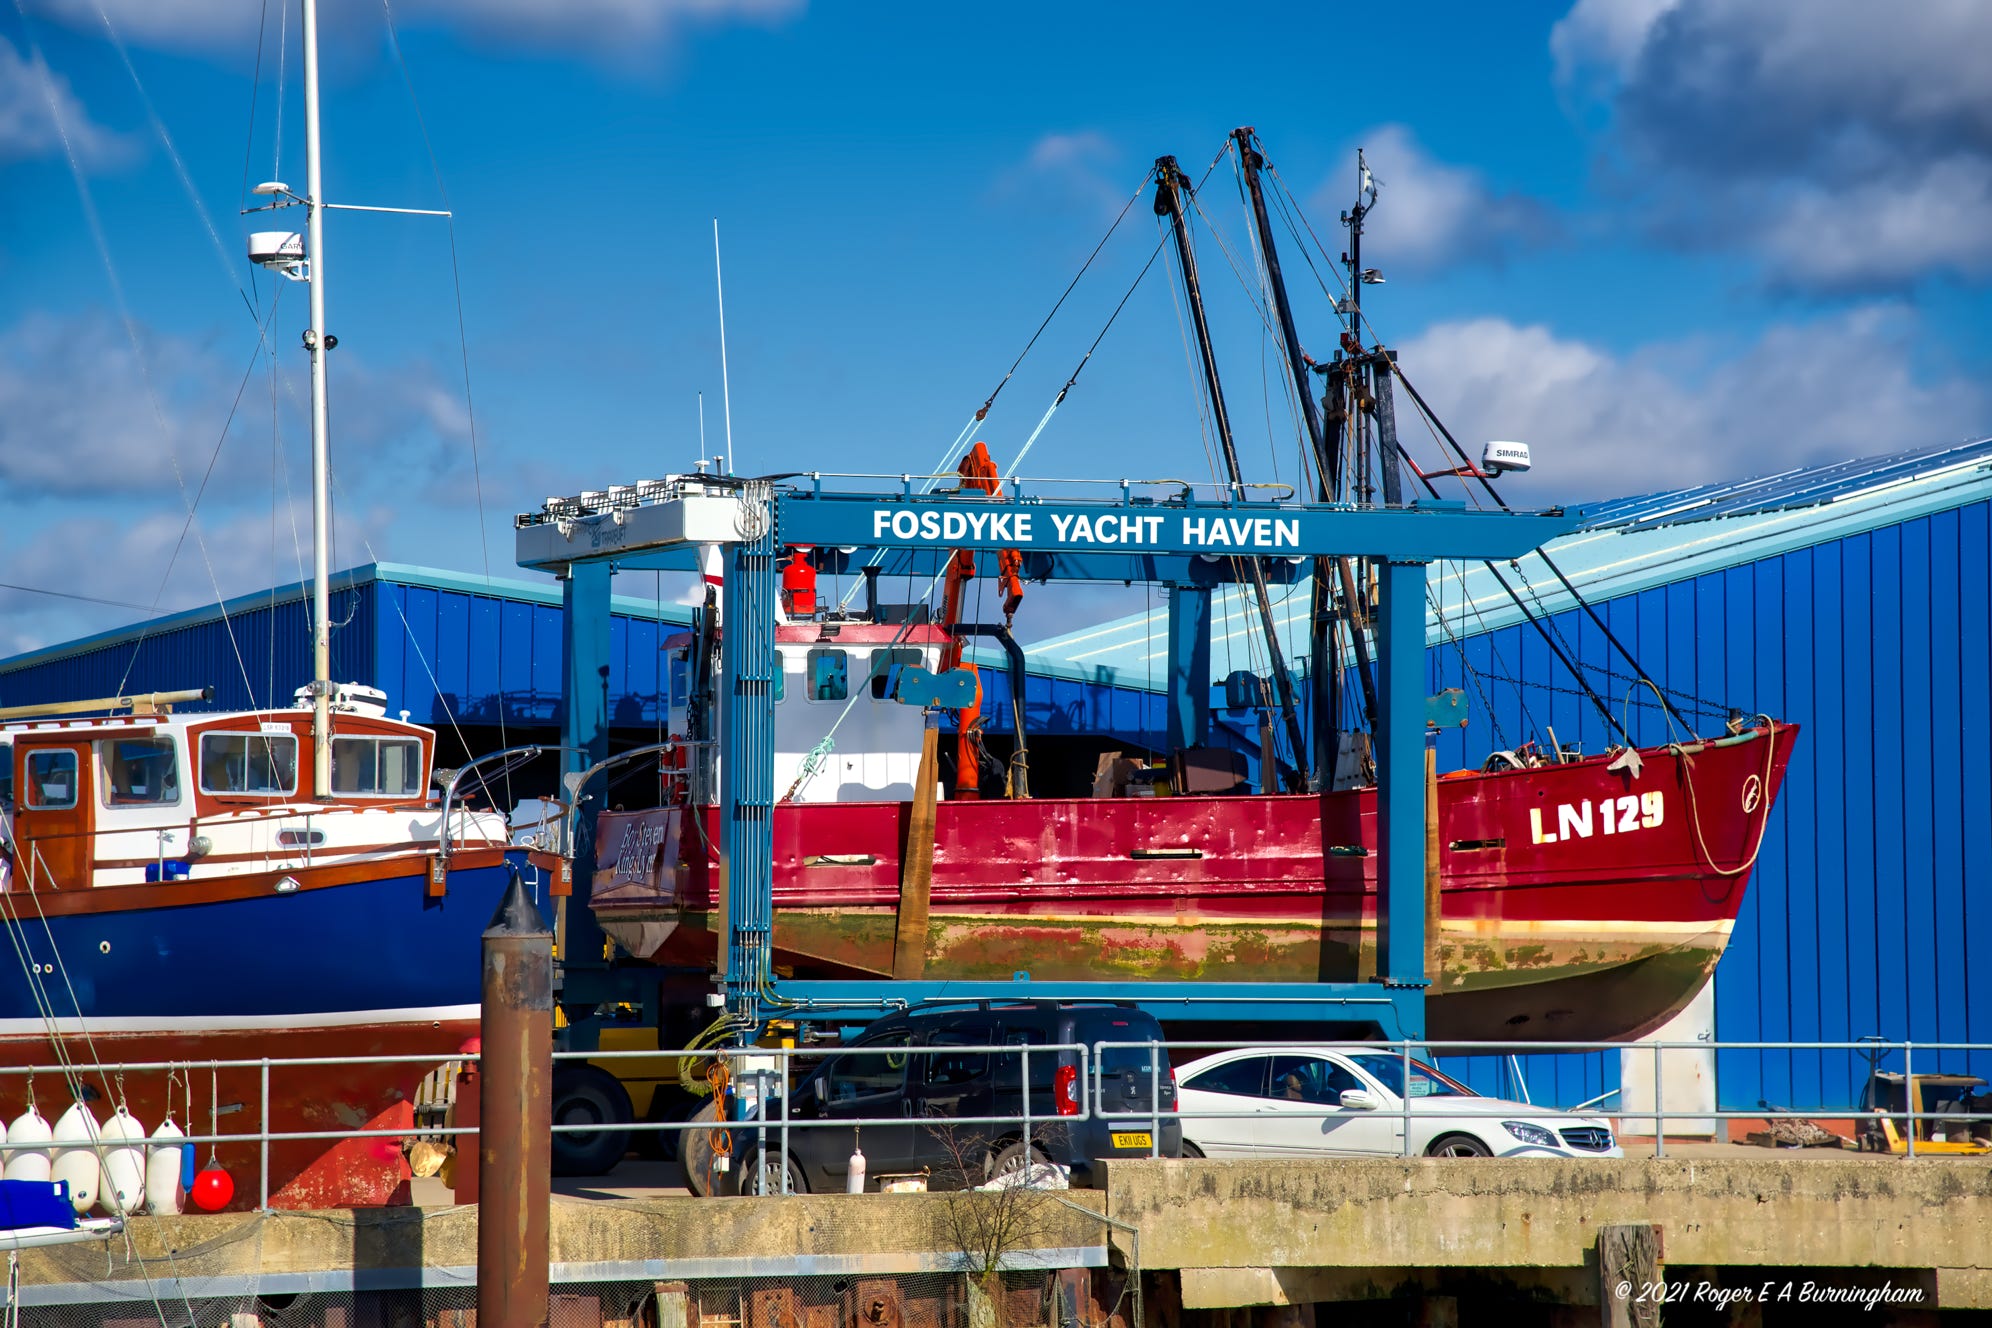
<point>304,1174</point>
<point>1554,875</point>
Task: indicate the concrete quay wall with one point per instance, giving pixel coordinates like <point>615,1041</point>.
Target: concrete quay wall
<point>1210,1236</point>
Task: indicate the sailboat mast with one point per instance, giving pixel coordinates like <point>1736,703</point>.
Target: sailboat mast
<point>1170,185</point>
<point>317,343</point>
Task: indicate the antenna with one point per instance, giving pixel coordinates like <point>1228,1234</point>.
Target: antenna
<point>702,447</point>
<point>726,391</point>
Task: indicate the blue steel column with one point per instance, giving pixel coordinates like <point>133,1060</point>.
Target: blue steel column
<point>1189,666</point>
<point>747,730</point>
<point>1400,830</point>
<point>584,724</point>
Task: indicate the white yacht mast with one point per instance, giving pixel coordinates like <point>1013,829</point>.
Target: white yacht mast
<point>317,343</point>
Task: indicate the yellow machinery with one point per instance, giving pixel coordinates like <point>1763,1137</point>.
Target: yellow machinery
<point>1892,1097</point>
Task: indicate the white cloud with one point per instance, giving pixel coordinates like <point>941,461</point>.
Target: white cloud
<point>1888,230</point>
<point>610,26</point>
<point>1848,144</point>
<point>1603,35</point>
<point>75,417</point>
<point>1429,213</point>
<point>1687,412</point>
<point>604,24</point>
<point>37,108</point>
<point>1076,171</point>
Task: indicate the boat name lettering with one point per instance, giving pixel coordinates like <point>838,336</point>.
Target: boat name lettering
<point>640,842</point>
<point>1138,529</point>
<point>1009,527</point>
<point>1610,816</point>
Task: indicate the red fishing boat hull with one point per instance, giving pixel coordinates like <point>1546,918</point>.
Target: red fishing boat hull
<point>1578,902</point>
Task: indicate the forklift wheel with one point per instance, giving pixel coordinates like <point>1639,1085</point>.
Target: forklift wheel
<point>585,1095</point>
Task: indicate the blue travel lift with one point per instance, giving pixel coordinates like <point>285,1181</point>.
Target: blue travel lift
<point>1167,541</point>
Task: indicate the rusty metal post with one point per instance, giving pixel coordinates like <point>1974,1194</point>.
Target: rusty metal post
<point>468,1115</point>
<point>515,1139</point>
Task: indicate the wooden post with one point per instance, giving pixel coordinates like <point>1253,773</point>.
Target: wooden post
<point>1628,1273</point>
<point>1432,896</point>
<point>916,868</point>
<point>674,1305</point>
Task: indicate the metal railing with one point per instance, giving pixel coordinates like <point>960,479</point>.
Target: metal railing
<point>771,1076</point>
<point>1873,1050</point>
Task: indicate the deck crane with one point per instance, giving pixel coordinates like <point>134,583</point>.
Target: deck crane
<point>978,474</point>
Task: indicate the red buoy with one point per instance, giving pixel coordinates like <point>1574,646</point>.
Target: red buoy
<point>213,1188</point>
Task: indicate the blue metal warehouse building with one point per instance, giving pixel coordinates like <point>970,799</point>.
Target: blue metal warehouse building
<point>1851,599</point>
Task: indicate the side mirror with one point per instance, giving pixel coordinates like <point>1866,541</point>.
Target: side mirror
<point>1357,1099</point>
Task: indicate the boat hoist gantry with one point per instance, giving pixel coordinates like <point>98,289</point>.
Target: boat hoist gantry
<point>1183,539</point>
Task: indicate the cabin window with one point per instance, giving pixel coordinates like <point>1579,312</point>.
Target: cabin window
<point>139,772</point>
<point>52,779</point>
<point>260,764</point>
<point>781,683</point>
<point>377,767</point>
<point>883,663</point>
<point>829,674</point>
<point>680,673</point>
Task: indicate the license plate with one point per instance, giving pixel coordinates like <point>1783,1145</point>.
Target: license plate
<point>1133,1139</point>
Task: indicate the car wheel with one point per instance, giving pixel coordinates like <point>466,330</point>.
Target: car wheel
<point>1458,1145</point>
<point>750,1177</point>
<point>1191,1150</point>
<point>586,1095</point>
<point>1011,1160</point>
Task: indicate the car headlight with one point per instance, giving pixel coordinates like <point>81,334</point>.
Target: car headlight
<point>1530,1134</point>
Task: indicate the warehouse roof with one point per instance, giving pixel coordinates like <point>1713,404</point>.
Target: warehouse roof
<point>1624,545</point>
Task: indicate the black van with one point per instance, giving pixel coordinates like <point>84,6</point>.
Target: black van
<point>921,1095</point>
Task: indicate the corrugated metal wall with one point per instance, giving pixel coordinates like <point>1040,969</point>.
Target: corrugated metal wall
<point>255,657</point>
<point>1871,905</point>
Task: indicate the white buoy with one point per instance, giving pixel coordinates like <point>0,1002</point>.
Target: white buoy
<point>75,1161</point>
<point>124,1163</point>
<point>854,1181</point>
<point>29,1163</point>
<point>164,1192</point>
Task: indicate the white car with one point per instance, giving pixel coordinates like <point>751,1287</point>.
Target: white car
<point>1348,1101</point>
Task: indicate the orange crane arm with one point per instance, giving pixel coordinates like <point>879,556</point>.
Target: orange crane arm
<point>978,471</point>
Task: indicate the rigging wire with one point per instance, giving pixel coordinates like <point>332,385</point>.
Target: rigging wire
<point>95,223</point>
<point>463,337</point>
<point>255,93</point>
<point>1059,400</point>
<point>227,261</point>
<point>1133,198</point>
<point>1590,610</point>
<point>955,449</point>
<point>66,1063</point>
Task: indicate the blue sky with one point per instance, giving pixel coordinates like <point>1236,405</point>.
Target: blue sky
<point>1661,240</point>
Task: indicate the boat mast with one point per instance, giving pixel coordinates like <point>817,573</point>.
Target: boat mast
<point>1327,704</point>
<point>1170,184</point>
<point>318,344</point>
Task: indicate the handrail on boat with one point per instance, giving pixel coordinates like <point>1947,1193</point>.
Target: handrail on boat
<point>513,758</point>
<point>576,780</point>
